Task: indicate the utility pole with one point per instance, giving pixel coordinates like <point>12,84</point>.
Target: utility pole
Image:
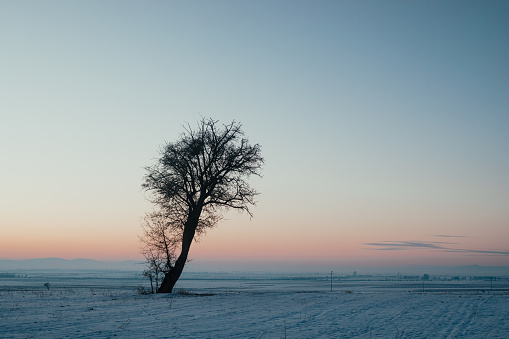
<point>331,281</point>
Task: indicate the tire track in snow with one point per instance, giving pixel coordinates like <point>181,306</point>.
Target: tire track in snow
<point>453,316</point>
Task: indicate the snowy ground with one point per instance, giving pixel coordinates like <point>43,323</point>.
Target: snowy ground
<point>253,313</point>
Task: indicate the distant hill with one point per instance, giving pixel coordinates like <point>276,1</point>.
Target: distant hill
<point>65,264</point>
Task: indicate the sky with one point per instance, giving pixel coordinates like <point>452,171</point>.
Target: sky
<point>384,126</point>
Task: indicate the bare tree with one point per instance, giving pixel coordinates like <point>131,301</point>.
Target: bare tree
<point>160,240</point>
<point>199,177</point>
<point>152,273</point>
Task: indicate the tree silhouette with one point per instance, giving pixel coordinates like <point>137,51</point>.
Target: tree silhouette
<point>160,240</point>
<point>198,178</point>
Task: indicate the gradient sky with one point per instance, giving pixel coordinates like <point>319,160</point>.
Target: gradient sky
<point>384,125</point>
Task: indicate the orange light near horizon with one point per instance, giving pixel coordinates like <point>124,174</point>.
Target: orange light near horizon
<point>240,242</point>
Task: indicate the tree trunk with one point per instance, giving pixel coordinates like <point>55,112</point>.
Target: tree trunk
<point>170,278</point>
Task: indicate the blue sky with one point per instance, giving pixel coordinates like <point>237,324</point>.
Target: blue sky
<point>380,122</point>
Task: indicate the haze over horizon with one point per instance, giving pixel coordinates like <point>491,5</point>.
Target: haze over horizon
<point>258,269</point>
<point>384,126</point>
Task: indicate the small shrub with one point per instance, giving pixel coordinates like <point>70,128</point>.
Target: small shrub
<point>183,292</point>
<point>143,291</point>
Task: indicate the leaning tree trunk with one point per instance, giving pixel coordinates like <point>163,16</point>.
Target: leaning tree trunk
<point>170,278</point>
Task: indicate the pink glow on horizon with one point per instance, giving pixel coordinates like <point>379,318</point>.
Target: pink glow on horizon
<point>249,253</point>
<point>247,241</point>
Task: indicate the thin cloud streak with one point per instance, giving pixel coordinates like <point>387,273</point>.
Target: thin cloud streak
<point>410,244</point>
<point>432,245</point>
<point>449,236</point>
<point>490,252</point>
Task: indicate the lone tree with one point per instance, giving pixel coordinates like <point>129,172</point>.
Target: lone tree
<point>199,177</point>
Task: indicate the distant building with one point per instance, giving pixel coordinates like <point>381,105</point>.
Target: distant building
<point>425,277</point>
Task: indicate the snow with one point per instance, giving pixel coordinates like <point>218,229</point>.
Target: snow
<point>258,308</point>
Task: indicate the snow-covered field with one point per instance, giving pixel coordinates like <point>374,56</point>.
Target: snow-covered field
<point>247,308</point>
